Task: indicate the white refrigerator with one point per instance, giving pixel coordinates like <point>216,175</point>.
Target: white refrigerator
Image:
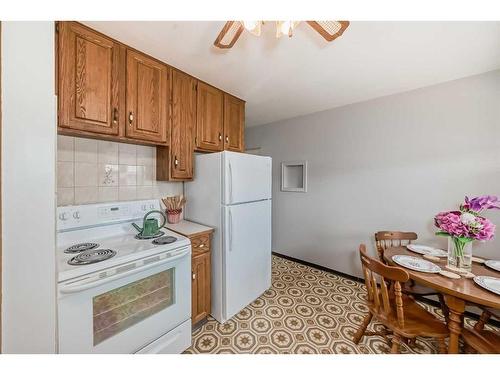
<point>231,192</point>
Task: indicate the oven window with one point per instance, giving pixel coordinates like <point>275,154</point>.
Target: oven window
<point>121,308</point>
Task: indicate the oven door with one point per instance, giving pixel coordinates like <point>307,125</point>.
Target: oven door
<point>121,310</point>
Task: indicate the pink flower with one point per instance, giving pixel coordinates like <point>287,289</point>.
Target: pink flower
<point>486,231</point>
<point>450,223</point>
<point>477,204</point>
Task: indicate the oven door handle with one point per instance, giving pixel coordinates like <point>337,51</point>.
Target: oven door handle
<point>93,284</point>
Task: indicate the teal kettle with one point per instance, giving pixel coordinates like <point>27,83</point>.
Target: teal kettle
<point>150,227</point>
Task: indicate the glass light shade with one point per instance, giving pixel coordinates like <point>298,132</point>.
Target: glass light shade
<point>253,26</point>
<point>285,28</point>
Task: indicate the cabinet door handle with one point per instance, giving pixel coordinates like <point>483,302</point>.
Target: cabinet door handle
<point>227,139</point>
<point>176,161</point>
<point>220,137</point>
<point>194,276</point>
<point>130,118</point>
<point>115,115</point>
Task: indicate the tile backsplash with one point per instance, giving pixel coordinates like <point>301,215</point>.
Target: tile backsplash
<point>90,171</point>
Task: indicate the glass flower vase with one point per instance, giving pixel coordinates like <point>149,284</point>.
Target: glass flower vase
<point>460,253</point>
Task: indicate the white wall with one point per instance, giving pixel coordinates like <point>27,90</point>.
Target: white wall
<point>386,164</point>
<point>28,196</point>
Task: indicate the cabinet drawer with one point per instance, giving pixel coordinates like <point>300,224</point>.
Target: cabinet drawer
<point>200,244</point>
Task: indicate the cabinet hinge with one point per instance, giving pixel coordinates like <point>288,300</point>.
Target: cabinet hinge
<point>57,27</point>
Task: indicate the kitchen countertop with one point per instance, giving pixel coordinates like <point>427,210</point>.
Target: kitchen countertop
<point>188,228</point>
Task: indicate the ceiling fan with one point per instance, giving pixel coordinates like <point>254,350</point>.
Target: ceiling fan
<point>330,30</point>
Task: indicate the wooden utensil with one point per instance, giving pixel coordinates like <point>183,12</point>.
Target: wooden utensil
<point>478,260</point>
<point>174,203</point>
<point>431,258</point>
<point>449,274</point>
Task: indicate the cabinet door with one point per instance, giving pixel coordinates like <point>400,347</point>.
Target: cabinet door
<point>234,123</point>
<point>147,98</point>
<point>209,118</point>
<point>183,122</point>
<point>200,293</point>
<point>88,80</point>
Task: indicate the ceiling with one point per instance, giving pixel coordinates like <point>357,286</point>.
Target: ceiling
<point>288,77</point>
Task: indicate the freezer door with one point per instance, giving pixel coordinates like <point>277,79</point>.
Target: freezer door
<point>247,178</point>
<point>247,254</point>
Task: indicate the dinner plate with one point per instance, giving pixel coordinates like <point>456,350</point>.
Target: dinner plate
<point>416,264</point>
<point>494,264</point>
<point>427,250</point>
<point>490,283</point>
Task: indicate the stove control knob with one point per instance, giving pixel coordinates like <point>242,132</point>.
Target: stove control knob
<point>76,215</point>
<point>63,216</point>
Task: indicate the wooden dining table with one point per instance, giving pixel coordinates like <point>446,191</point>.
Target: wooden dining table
<point>457,293</point>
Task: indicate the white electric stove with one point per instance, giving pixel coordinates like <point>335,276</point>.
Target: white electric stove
<point>118,293</point>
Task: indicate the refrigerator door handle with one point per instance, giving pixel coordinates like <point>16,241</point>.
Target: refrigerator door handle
<point>230,229</point>
<point>230,183</point>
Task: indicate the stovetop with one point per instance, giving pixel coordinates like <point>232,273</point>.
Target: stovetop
<point>111,243</point>
<point>119,238</point>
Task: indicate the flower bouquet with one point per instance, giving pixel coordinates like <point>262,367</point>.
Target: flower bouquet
<point>464,226</point>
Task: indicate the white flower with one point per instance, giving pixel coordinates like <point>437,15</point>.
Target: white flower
<point>467,218</point>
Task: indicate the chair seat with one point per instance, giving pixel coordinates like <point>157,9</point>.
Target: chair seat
<point>418,290</point>
<point>485,342</point>
<point>417,321</point>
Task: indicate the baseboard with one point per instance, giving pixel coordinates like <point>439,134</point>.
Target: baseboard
<point>469,314</point>
<point>319,267</point>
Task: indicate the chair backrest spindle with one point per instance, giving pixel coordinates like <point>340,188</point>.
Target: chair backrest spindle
<point>387,239</point>
<point>381,300</point>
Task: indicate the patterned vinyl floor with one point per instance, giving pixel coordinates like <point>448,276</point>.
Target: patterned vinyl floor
<point>305,311</point>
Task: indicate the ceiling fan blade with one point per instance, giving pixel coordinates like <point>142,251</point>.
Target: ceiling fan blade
<point>229,34</point>
<point>330,30</point>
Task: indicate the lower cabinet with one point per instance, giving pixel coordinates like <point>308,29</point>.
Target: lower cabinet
<point>200,297</point>
<point>201,268</point>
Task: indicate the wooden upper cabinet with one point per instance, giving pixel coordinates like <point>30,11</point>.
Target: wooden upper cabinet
<point>147,98</point>
<point>182,127</point>
<point>209,118</point>
<point>88,69</point>
<point>234,123</point>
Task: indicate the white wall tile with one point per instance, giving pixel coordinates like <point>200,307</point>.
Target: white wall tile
<point>85,150</point>
<point>65,175</point>
<point>127,175</point>
<point>164,189</point>
<point>107,194</point>
<point>107,175</point>
<point>65,196</point>
<point>65,148</point>
<point>85,195</point>
<point>85,174</point>
<point>127,193</point>
<point>144,175</point>
<point>144,192</point>
<point>127,154</point>
<point>145,155</point>
<point>92,171</point>
<point>107,152</point>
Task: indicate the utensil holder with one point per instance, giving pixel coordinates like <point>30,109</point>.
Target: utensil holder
<point>174,216</point>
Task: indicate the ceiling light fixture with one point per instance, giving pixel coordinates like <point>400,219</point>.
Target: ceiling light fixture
<point>329,30</point>
<point>253,26</point>
<point>285,28</point>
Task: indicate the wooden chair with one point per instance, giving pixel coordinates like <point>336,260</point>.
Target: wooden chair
<point>387,239</point>
<point>399,313</point>
<point>480,340</point>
